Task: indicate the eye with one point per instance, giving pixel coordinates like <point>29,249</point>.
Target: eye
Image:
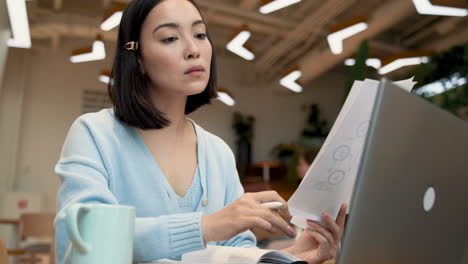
<point>169,40</point>
<point>201,36</point>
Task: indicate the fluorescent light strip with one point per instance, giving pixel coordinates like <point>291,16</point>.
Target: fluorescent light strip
<point>112,22</point>
<point>237,43</point>
<point>225,98</point>
<point>335,40</point>
<point>426,8</point>
<point>98,53</point>
<point>399,63</point>
<point>289,81</point>
<point>276,5</point>
<point>371,62</point>
<point>19,24</point>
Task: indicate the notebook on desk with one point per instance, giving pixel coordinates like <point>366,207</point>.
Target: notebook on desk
<point>235,255</point>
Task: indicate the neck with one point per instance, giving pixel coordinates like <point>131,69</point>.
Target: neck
<point>173,107</point>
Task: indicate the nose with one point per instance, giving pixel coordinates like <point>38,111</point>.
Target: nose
<point>192,50</point>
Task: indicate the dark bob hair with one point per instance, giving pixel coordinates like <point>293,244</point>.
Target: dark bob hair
<point>129,90</point>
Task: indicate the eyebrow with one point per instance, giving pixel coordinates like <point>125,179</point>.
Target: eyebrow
<point>175,25</point>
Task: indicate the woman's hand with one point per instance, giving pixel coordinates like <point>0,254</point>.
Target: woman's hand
<point>246,213</point>
<point>317,243</point>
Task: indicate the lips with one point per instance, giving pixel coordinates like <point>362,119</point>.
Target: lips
<point>195,69</point>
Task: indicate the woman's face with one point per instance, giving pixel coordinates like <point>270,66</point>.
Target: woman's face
<point>176,53</point>
<point>302,167</point>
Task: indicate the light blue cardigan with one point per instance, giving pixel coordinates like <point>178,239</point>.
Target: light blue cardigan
<point>106,161</point>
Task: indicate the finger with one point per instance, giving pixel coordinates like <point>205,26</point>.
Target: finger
<point>258,222</point>
<point>341,218</point>
<point>273,196</point>
<point>323,249</point>
<point>285,211</point>
<point>323,241</point>
<point>319,228</point>
<point>274,230</point>
<point>276,220</point>
<point>332,226</point>
<point>325,233</point>
<point>269,196</point>
<point>280,223</point>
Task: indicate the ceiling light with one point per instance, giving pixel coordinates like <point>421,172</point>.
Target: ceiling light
<point>371,62</point>
<point>105,77</point>
<point>335,39</point>
<point>350,62</point>
<point>112,22</point>
<point>272,6</point>
<point>374,63</point>
<point>225,96</point>
<point>289,81</point>
<point>425,7</point>
<point>19,24</point>
<point>402,62</point>
<point>236,45</point>
<point>96,52</point>
<point>112,19</point>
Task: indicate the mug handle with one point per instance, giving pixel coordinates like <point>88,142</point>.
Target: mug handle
<point>73,213</point>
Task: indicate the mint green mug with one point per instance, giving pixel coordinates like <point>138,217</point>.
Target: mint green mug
<point>101,233</point>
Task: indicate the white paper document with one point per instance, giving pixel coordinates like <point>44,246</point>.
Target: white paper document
<point>330,179</point>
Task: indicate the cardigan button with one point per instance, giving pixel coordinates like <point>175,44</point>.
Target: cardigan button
<point>205,202</point>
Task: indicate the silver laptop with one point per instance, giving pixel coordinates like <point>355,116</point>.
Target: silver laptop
<point>410,201</point>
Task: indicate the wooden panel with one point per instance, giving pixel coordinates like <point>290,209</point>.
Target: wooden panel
<point>451,3</point>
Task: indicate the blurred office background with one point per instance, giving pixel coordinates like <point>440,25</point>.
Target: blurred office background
<point>283,76</point>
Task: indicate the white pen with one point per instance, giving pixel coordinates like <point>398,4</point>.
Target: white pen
<point>273,205</point>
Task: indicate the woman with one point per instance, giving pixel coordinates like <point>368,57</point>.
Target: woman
<point>145,153</point>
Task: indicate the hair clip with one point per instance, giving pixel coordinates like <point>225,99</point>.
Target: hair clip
<point>131,45</point>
